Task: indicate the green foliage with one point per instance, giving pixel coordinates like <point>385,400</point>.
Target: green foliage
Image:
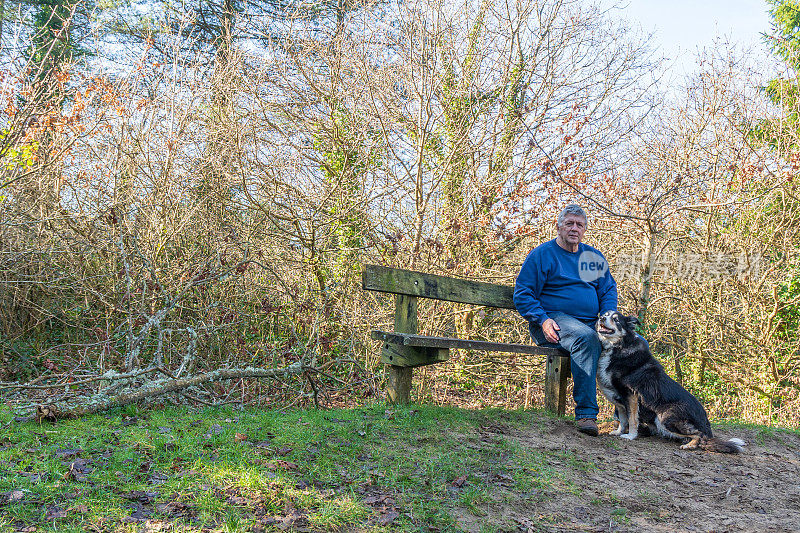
<point>786,21</point>
<point>55,42</point>
<point>346,157</point>
<point>16,157</point>
<point>783,92</point>
<point>20,359</point>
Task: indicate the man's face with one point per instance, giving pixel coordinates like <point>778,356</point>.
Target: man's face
<point>572,229</point>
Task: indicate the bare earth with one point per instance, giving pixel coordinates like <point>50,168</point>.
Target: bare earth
<point>651,484</point>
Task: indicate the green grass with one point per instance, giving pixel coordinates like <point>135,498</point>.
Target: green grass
<point>368,469</point>
<point>762,434</point>
<point>620,514</point>
<point>767,430</point>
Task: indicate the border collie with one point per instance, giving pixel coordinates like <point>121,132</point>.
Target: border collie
<point>635,382</point>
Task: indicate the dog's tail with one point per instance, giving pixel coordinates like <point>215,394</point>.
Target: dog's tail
<point>713,444</point>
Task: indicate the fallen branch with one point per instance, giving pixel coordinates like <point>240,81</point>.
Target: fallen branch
<point>102,402</point>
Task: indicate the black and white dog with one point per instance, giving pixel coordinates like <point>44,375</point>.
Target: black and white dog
<point>635,382</point>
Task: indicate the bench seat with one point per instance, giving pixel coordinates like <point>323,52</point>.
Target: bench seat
<point>409,339</point>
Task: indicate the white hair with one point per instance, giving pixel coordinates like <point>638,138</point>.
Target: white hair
<point>572,209</point>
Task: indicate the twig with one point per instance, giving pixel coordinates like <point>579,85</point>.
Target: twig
<point>108,376</point>
<point>196,399</point>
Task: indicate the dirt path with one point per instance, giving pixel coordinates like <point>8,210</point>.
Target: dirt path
<point>652,485</point>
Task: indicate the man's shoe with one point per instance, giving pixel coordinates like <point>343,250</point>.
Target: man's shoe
<point>587,425</point>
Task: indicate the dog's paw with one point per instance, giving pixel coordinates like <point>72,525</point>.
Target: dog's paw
<point>629,436</point>
<point>616,432</point>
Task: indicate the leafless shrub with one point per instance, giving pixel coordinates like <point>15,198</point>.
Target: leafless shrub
<point>194,219</point>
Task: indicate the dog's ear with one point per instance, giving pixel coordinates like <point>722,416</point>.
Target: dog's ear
<point>633,322</point>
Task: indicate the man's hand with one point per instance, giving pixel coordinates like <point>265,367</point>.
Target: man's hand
<point>551,329</point>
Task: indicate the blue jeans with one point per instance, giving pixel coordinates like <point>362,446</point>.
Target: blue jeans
<point>579,338</point>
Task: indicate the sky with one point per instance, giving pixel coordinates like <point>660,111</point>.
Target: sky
<point>682,27</point>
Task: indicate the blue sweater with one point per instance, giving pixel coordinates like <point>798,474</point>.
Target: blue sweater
<point>553,279</point>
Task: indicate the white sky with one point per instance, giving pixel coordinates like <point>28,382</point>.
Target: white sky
<point>682,27</point>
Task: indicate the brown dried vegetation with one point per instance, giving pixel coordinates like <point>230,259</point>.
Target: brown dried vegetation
<point>178,220</point>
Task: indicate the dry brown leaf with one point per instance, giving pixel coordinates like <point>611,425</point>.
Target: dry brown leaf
<point>459,481</point>
<point>286,465</point>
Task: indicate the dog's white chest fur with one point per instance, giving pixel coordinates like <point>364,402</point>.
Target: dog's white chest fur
<point>603,376</point>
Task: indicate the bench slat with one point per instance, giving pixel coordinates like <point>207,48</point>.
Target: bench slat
<point>407,339</point>
<point>409,282</point>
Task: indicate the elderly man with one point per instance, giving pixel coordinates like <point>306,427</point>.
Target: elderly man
<point>561,289</point>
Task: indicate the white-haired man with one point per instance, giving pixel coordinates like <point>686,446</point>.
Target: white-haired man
<point>561,289</point>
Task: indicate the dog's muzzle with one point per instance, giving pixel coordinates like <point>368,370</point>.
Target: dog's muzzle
<point>604,330</point>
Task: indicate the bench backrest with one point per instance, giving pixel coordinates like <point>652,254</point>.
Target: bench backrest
<point>411,283</point>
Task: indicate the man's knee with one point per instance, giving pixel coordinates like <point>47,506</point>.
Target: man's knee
<point>586,339</point>
<point>585,349</point>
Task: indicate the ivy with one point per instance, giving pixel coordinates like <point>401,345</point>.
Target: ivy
<point>13,157</point>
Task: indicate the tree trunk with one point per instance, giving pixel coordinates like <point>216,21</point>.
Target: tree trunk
<point>648,265</point>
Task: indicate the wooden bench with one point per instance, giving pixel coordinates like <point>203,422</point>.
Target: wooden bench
<point>403,349</point>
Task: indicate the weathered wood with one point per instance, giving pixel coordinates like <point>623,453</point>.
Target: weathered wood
<point>555,384</point>
<point>413,356</point>
<point>405,321</point>
<point>411,283</point>
<point>410,340</point>
<point>404,349</point>
<point>398,384</point>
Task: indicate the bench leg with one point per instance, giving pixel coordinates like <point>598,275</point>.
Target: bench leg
<point>398,386</point>
<point>556,373</point>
